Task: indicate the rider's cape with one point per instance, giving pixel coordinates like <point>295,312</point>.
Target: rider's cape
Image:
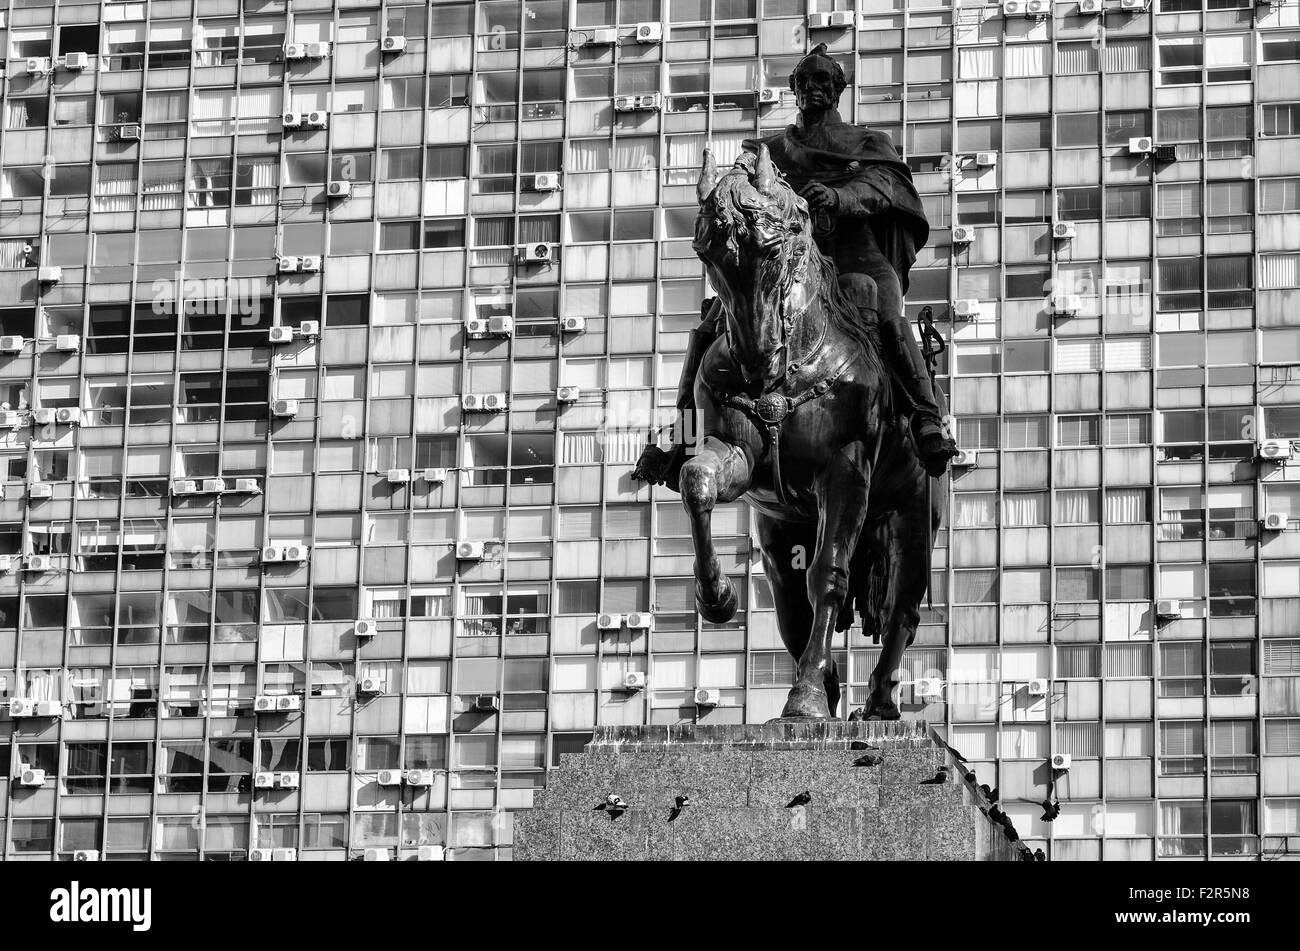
<point>863,167</point>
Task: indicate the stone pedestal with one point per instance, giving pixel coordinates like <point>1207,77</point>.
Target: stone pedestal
<point>741,780</point>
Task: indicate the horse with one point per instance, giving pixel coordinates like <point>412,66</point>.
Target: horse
<point>797,413</point>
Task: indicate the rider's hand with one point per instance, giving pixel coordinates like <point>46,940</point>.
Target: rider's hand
<point>820,196</point>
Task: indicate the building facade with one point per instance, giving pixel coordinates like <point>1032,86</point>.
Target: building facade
<point>331,331</point>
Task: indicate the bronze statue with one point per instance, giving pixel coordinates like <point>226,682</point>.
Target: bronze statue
<point>798,397</point>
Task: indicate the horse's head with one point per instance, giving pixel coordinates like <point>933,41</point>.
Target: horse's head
<point>754,236</point>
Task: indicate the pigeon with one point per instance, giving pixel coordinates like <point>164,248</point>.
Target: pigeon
<point>970,777</point>
<point>1040,855</point>
<point>990,794</point>
<point>613,805</point>
<point>996,814</point>
<point>1050,810</point>
<point>859,745</point>
<point>1012,834</point>
<point>680,803</point>
<point>957,756</point>
<point>870,759</point>
<point>940,778</point>
<point>802,799</point>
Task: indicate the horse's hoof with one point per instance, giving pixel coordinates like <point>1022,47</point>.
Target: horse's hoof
<point>806,703</point>
<point>878,711</point>
<point>718,611</point>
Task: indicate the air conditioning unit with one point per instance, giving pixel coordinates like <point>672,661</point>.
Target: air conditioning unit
<point>639,621</point>
<point>606,36</point>
<point>1090,7</point>
<point>32,777</point>
<point>288,264</point>
<point>1165,153</point>
<point>128,133</point>
<point>318,119</point>
<point>1169,608</point>
<point>1276,450</point>
<point>261,855</point>
<point>68,415</point>
<point>76,61</point>
<point>986,159</point>
<point>649,32</point>
<point>429,853</point>
<point>339,189</point>
<point>280,335</point>
<point>1061,760</point>
<point>309,264</point>
<point>476,326</point>
<point>264,703</point>
<point>469,551</point>
<point>376,855</point>
<point>12,344</point>
<point>288,702</point>
<point>625,103</point>
<point>1038,687</point>
<point>37,65</point>
<point>248,486</point>
<point>634,680</point>
<point>1274,522</point>
<point>68,343</point>
<point>86,855</point>
<point>1067,305</point>
<point>962,234</point>
<point>573,325</point>
<point>390,777</point>
<point>295,50</point>
<point>370,685</point>
<point>844,18</point>
<point>399,476</point>
<point>534,253</point>
<point>40,490</point>
<point>21,707</point>
<point>965,459</point>
<point>285,855</point>
<point>296,552</point>
<point>264,780</point>
<point>769,94</point>
<point>418,777</point>
<point>10,419</point>
<point>501,326</point>
<point>966,309</point>
<point>928,688</point>
<point>1141,145</point>
<point>286,408</point>
<point>1134,5</point>
<point>544,182</point>
<point>363,628</point>
<point>650,101</point>
<point>819,21</point>
<point>1038,8</point>
<point>309,328</point>
<point>436,475</point>
<point>43,417</point>
<point>483,402</point>
<point>319,50</point>
<point>47,708</point>
<point>272,553</point>
<point>1063,230</point>
<point>287,780</point>
<point>568,394</point>
<point>49,275</point>
<point>184,487</point>
<point>487,702</point>
<point>393,44</point>
<point>1013,8</point>
<point>214,486</point>
<point>291,120</point>
<point>609,622</point>
<point>707,698</point>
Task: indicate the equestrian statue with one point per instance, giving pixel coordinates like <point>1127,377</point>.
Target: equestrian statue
<point>810,395</point>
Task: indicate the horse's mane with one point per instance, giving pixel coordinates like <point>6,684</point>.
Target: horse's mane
<point>732,199</point>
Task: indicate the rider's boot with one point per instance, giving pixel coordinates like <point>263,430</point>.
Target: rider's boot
<point>933,442</point>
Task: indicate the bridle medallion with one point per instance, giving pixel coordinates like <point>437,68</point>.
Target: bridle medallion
<point>771,408</point>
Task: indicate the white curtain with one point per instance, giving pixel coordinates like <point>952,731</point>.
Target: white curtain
<point>1024,509</point>
<point>978,62</point>
<point>116,188</point>
<point>974,510</point>
<point>580,448</point>
<point>1076,506</point>
<point>1127,506</point>
<point>16,114</point>
<point>262,175</point>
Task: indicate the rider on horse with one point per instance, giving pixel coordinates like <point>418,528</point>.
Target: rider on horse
<point>868,218</point>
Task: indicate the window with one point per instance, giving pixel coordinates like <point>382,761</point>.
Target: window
<point>1280,119</point>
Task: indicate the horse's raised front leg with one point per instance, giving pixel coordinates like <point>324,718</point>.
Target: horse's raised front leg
<point>842,491</point>
<point>719,472</point>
